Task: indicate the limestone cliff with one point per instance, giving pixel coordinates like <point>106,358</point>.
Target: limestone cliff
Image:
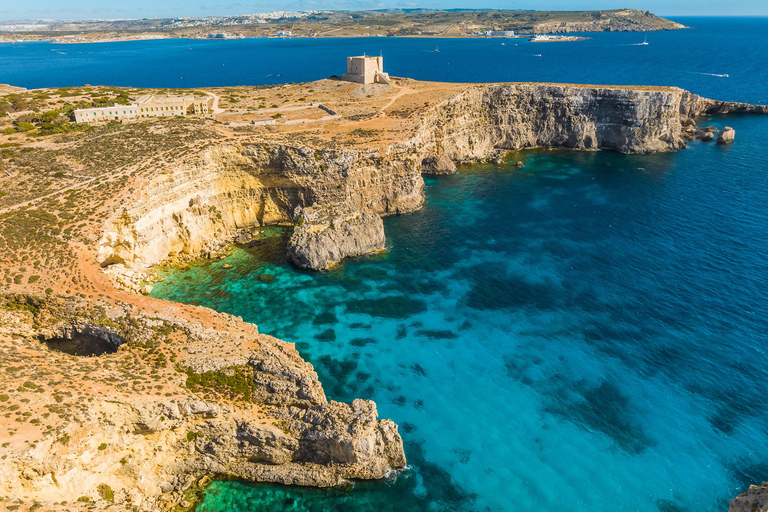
<point>189,209</point>
<point>192,208</point>
<point>485,119</point>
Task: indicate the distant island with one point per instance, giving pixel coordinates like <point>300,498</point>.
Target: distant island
<point>375,23</point>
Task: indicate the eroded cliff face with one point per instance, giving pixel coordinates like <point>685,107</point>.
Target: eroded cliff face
<point>192,208</point>
<point>485,119</point>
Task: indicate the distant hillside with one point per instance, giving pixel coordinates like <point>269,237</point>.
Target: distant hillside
<point>393,23</point>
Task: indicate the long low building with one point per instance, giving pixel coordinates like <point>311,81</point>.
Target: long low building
<point>148,105</point>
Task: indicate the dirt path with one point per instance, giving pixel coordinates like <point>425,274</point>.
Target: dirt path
<point>215,108</point>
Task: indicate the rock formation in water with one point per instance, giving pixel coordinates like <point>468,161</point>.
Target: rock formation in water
<point>753,500</point>
<point>726,136</point>
<point>327,234</point>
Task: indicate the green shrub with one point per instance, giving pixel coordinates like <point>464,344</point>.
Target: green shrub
<point>106,492</point>
<point>102,447</point>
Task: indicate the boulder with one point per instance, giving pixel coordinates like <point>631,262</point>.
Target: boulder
<point>710,129</point>
<point>707,136</point>
<point>146,289</point>
<point>519,164</point>
<point>326,234</point>
<point>726,136</point>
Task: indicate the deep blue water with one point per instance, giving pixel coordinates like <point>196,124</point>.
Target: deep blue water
<point>733,46</point>
<point>587,334</point>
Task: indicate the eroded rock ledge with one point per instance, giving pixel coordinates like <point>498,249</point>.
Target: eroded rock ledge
<point>176,401</point>
<point>325,235</point>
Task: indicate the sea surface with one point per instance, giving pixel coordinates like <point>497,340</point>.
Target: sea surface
<point>586,334</point>
<point>691,59</point>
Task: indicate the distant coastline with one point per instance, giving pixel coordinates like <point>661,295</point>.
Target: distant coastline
<point>341,24</point>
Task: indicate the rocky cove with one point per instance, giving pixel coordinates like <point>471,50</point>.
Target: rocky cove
<point>238,403</point>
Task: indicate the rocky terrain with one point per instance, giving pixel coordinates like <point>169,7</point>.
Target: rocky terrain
<point>113,399</point>
<point>164,402</point>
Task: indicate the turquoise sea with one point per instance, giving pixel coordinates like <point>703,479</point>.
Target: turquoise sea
<point>586,334</point>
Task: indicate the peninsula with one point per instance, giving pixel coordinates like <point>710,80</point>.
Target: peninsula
<point>374,23</point>
<point>115,398</point>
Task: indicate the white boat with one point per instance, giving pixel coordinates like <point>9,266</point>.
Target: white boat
<point>437,49</point>
<point>644,43</point>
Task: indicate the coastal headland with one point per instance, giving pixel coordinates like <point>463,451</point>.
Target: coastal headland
<point>112,398</point>
<point>374,23</point>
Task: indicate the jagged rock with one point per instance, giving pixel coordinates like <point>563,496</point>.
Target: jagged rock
<point>712,129</point>
<point>438,165</point>
<point>146,289</point>
<point>726,136</point>
<point>326,234</point>
<point>707,136</point>
<point>519,164</point>
<point>753,500</point>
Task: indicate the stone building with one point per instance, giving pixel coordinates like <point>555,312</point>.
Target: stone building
<point>148,105</point>
<point>366,70</point>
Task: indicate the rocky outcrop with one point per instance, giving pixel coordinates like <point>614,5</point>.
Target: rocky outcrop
<point>753,500</point>
<point>327,234</point>
<point>726,136</point>
<point>247,406</point>
<point>438,165</point>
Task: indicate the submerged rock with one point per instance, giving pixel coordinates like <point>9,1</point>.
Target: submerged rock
<point>726,136</point>
<point>754,500</point>
<point>327,234</point>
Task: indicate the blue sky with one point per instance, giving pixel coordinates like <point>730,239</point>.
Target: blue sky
<point>62,9</point>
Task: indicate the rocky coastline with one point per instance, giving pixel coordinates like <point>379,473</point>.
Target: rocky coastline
<point>167,396</point>
<point>238,404</point>
<point>195,208</point>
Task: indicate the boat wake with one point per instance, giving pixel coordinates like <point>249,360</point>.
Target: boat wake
<point>718,75</point>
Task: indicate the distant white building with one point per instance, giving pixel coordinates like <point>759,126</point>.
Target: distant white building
<point>366,70</point>
<point>148,105</point>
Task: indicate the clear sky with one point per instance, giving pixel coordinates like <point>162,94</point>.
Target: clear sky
<point>63,9</point>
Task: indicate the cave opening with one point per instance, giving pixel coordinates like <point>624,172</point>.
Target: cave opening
<point>87,341</point>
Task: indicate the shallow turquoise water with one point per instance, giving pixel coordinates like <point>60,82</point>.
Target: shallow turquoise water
<point>588,333</point>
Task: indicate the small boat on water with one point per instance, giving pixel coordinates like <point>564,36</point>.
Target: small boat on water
<point>437,49</point>
<point>644,43</point>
